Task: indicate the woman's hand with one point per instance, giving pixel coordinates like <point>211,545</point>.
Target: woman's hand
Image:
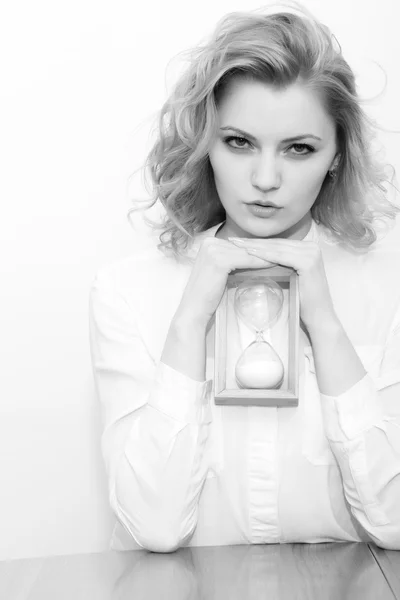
<point>316,305</point>
<point>216,258</point>
<point>333,351</point>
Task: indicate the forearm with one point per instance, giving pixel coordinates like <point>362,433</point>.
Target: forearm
<point>361,436</point>
<point>337,364</point>
<point>185,347</point>
<point>365,443</point>
<point>159,478</point>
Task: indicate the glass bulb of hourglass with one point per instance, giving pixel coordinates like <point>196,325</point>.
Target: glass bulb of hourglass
<point>258,302</point>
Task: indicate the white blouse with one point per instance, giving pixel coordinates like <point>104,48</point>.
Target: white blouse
<point>185,471</point>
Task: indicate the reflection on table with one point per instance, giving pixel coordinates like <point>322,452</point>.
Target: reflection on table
<point>331,571</point>
<point>337,571</point>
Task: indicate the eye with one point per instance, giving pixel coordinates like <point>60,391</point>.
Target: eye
<point>238,141</point>
<point>309,149</point>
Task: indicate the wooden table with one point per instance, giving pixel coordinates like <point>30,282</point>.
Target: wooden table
<point>341,571</point>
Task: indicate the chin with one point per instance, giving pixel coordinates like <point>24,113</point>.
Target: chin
<point>265,228</point>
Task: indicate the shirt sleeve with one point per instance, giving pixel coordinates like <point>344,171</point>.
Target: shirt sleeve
<point>363,429</point>
<point>155,424</point>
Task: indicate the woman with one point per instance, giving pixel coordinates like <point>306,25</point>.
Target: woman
<point>266,113</point>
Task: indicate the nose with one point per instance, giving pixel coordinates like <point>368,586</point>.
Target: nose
<point>266,173</point>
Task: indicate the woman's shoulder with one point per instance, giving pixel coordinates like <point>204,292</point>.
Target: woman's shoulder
<point>385,249</point>
<point>147,265</point>
<point>364,274</point>
<point>151,260</point>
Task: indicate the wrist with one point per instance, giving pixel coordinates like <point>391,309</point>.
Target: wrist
<point>324,323</point>
<point>337,365</point>
<point>187,321</point>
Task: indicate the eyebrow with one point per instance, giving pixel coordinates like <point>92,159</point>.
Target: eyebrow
<point>291,139</point>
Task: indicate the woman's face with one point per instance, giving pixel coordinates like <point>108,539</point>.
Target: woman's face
<point>272,146</point>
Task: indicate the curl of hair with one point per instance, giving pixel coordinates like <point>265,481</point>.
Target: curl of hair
<point>279,48</point>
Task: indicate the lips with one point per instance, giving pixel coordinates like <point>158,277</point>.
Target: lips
<point>268,204</point>
<point>263,211</point>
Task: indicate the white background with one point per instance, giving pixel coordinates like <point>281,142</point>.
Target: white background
<point>80,84</point>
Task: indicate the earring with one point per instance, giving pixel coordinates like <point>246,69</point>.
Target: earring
<point>333,173</point>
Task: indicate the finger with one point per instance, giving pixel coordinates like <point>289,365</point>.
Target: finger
<point>256,261</point>
<point>269,242</point>
<point>286,259</point>
<point>243,257</point>
<point>300,250</point>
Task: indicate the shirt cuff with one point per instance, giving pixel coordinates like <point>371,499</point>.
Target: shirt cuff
<point>181,397</point>
<point>350,414</point>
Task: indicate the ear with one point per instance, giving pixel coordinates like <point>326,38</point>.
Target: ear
<point>335,162</point>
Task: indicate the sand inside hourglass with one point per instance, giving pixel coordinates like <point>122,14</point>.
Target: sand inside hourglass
<point>259,367</point>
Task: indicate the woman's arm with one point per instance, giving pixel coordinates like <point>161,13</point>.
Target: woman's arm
<point>156,423</point>
<point>362,423</point>
<point>337,364</point>
<point>363,435</point>
<point>185,347</point>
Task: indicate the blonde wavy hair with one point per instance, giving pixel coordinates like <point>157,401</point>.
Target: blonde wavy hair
<point>278,49</point>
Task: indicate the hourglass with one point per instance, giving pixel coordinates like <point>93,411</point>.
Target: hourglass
<point>258,303</point>
<point>261,298</point>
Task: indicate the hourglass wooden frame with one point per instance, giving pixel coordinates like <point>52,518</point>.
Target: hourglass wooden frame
<point>259,397</point>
